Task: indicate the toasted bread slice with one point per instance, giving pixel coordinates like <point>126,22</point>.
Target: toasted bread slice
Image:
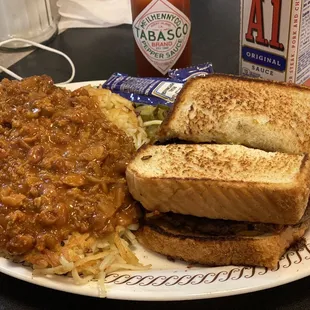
<point>271,116</point>
<point>260,247</point>
<point>221,182</point>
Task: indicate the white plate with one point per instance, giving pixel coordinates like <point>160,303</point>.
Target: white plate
<point>175,280</point>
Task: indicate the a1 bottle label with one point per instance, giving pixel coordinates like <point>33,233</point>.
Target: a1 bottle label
<point>161,32</point>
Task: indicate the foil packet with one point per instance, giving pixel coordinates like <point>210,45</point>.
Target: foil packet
<point>154,90</point>
<point>184,74</point>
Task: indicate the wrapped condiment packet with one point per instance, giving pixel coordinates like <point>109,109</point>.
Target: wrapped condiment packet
<point>153,90</point>
<point>144,90</point>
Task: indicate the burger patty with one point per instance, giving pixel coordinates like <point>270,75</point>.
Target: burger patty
<point>188,225</point>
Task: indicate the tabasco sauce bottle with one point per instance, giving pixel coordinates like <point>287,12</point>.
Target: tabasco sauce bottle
<point>162,32</point>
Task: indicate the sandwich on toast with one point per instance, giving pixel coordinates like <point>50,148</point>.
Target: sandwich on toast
<point>243,197</point>
<point>210,204</point>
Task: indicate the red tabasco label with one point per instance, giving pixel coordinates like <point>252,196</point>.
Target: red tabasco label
<point>161,31</point>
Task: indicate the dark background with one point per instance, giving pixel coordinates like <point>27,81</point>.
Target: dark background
<point>97,53</point>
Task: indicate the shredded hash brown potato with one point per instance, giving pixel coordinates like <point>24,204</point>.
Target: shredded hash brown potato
<point>86,258</point>
<point>121,112</point>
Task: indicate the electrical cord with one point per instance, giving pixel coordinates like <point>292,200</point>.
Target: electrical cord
<point>14,75</point>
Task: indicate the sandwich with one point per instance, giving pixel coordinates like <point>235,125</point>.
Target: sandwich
<point>226,109</point>
<point>228,183</point>
<point>220,204</point>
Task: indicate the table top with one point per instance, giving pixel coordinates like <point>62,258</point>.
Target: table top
<point>97,53</point>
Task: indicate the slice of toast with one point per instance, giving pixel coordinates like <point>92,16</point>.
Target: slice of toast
<point>249,247</point>
<point>271,116</point>
<point>221,182</point>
